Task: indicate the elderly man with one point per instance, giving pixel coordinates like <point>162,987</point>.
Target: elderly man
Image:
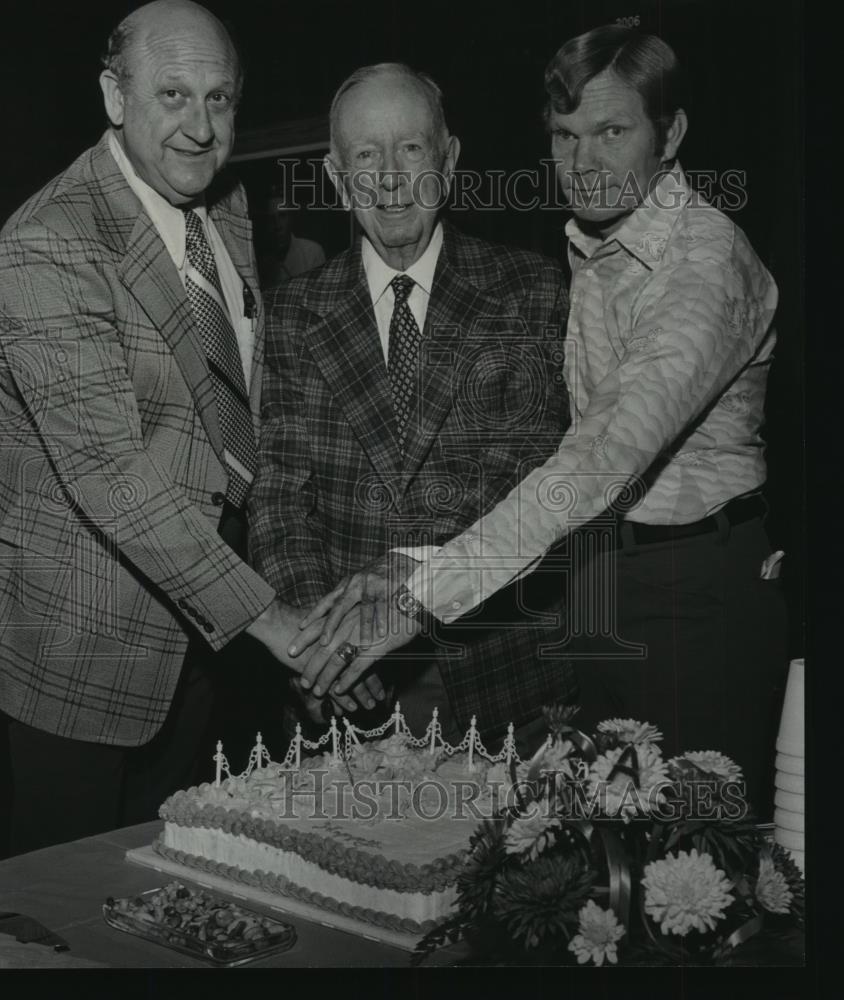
<point>409,383</point>
<point>131,337</point>
<point>669,345</point>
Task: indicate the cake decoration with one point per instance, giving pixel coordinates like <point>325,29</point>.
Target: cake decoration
<point>374,823</point>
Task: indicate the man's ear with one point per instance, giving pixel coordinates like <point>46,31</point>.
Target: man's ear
<point>112,96</point>
<point>452,154</point>
<point>676,131</point>
<point>337,175</point>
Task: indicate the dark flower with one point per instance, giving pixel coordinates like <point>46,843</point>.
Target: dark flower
<point>541,901</point>
<point>784,863</point>
<point>476,882</point>
<point>558,717</point>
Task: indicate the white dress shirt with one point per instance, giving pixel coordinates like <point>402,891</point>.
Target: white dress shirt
<point>170,223</point>
<point>379,275</point>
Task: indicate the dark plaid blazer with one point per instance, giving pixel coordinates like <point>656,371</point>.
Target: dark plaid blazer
<point>111,460</point>
<point>332,491</point>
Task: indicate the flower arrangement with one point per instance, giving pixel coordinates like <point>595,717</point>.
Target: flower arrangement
<point>608,852</point>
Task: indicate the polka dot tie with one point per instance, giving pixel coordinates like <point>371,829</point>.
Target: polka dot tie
<point>403,355</point>
<point>202,283</point>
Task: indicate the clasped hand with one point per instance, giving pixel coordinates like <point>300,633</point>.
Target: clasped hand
<point>358,611</point>
<point>278,629</point>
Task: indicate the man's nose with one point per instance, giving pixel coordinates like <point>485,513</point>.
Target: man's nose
<point>390,175</point>
<point>197,124</point>
<point>584,158</point>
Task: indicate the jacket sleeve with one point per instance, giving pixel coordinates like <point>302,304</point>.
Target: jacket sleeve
<point>286,546</point>
<point>66,359</point>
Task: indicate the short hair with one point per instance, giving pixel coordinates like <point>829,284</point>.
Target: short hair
<point>432,93</point>
<point>115,57</point>
<point>644,62</point>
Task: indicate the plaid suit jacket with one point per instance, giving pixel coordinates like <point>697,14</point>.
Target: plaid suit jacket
<point>332,491</point>
<point>110,458</point>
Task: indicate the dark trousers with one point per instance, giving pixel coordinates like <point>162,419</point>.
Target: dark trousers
<point>684,634</point>
<point>61,789</point>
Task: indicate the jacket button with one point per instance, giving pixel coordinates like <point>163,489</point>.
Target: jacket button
<point>208,627</point>
<point>218,499</point>
<point>183,604</point>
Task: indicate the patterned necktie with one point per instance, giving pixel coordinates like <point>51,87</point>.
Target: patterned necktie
<point>202,283</point>
<point>403,355</point>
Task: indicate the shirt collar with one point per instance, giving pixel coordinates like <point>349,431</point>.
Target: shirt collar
<point>379,274</point>
<point>167,219</point>
<point>645,232</point>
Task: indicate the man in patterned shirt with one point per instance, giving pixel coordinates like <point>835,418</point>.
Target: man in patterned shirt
<point>653,496</point>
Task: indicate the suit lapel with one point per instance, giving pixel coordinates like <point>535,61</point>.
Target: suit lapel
<point>346,347</point>
<point>455,305</point>
<point>150,277</point>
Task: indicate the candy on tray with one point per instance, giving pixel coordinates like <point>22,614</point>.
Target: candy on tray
<point>197,922</point>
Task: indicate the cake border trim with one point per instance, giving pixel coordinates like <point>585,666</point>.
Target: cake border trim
<point>282,886</point>
<point>365,868</point>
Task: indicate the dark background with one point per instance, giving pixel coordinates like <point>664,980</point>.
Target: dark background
<point>743,57</point>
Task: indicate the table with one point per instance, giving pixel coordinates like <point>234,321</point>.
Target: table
<point>64,888</point>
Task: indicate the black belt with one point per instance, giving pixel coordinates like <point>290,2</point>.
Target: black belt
<point>735,512</point>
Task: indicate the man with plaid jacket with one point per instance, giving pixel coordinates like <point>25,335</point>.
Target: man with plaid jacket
<point>408,384</point>
<point>124,288</point>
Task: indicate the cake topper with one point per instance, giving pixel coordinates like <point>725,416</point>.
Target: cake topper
<point>351,739</point>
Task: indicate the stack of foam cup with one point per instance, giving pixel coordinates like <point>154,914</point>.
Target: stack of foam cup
<point>789,809</point>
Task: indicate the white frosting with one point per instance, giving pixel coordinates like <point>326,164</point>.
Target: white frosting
<point>243,852</point>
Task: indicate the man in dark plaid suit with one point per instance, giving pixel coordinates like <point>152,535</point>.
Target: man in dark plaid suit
<point>122,574</point>
<point>408,385</point>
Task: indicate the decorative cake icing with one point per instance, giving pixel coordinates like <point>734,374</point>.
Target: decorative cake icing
<point>376,830</point>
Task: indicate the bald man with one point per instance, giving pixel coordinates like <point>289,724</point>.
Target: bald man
<point>131,332</point>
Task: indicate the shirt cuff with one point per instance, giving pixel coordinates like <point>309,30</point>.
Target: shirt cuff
<point>447,594</point>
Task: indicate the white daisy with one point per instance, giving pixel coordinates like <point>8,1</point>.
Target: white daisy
<point>630,730</point>
<point>621,795</point>
<point>713,762</point>
<point>598,937</point>
<point>772,889</point>
<point>686,893</point>
<point>531,833</point>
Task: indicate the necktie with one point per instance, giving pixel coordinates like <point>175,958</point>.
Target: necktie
<point>202,283</point>
<point>403,355</point>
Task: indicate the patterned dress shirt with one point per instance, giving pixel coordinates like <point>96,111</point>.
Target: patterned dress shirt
<point>668,349</point>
